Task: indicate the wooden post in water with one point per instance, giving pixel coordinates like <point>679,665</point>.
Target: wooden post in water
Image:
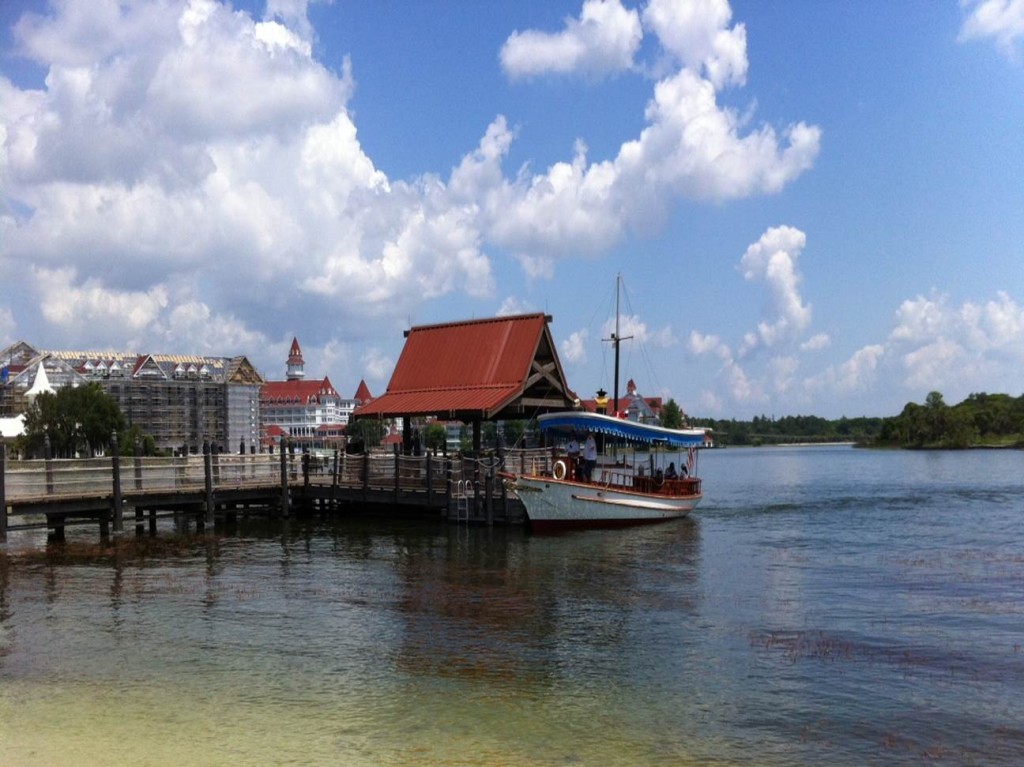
<point>397,463</point>
<point>208,479</point>
<point>285,500</point>
<point>115,462</point>
<point>366,474</point>
<point>137,452</point>
<point>489,495</point>
<point>334,480</point>
<point>447,485</point>
<point>215,451</point>
<point>3,491</point>
<point>48,457</point>
<point>430,478</point>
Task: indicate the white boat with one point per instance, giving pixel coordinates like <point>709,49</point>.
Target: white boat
<point>619,493</point>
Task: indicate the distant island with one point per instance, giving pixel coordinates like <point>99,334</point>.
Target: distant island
<point>981,420</point>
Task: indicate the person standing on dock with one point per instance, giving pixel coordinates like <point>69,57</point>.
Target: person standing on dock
<point>589,457</point>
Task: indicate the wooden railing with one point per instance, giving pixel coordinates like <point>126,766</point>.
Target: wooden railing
<point>37,483</point>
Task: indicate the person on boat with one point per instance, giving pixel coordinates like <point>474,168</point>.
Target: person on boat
<point>572,450</point>
<point>670,472</point>
<point>589,457</point>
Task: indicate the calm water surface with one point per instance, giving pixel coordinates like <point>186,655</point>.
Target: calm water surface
<point>825,606</point>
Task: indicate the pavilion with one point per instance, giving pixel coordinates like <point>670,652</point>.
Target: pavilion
<point>500,368</point>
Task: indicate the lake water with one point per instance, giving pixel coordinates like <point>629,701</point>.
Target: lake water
<point>824,606</point>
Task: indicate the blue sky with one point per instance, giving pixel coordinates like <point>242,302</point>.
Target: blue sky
<point>816,207</point>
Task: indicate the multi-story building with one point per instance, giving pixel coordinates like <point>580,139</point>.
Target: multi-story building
<point>309,413</point>
<point>180,400</point>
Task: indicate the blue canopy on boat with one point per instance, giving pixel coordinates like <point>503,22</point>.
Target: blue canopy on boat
<point>583,421</point>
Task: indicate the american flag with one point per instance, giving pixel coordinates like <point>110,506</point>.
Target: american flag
<point>691,459</point>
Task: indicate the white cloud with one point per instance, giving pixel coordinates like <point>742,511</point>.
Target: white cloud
<point>197,328</point>
<point>7,327</point>
<point>574,348</point>
<point>512,306</point>
<point>698,35</point>
<point>691,147</point>
<point>815,342</point>
<point>708,344</point>
<point>773,259</point>
<point>857,374</point>
<point>602,40</point>
<point>70,304</point>
<point>959,350</point>
<point>633,328</point>
<point>999,20</point>
<point>936,346</point>
<point>377,364</point>
<point>186,165</point>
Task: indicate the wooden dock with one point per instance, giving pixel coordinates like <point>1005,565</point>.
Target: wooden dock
<point>212,488</point>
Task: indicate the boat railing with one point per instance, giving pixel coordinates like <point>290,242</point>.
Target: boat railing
<point>662,486</point>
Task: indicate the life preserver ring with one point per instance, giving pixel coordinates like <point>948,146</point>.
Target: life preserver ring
<point>559,470</point>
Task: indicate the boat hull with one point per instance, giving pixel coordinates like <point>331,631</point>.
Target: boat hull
<point>553,504</point>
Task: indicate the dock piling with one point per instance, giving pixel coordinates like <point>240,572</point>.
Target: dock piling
<point>118,506</point>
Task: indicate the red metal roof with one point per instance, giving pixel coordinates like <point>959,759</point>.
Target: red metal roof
<point>298,391</point>
<point>473,367</point>
<point>362,392</point>
<point>295,353</point>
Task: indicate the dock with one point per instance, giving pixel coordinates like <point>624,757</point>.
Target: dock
<point>214,488</point>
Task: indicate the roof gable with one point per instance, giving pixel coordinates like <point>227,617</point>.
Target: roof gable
<point>477,369</point>
<point>303,392</point>
<point>362,392</point>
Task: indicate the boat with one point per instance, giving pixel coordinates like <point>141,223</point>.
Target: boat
<point>623,491</point>
<point>557,495</point>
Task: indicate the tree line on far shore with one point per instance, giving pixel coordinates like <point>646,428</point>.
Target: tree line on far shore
<point>981,420</point>
<point>81,421</point>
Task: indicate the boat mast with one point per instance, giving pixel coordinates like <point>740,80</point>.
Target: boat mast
<point>616,339</point>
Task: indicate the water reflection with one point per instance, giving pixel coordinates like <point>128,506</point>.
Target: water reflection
<point>834,609</point>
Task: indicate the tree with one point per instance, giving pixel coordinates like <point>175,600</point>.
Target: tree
<point>368,431</point>
<point>435,436</point>
<point>79,420</point>
<point>513,432</point>
<point>672,415</point>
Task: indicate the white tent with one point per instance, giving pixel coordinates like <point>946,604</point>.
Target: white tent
<point>41,384</point>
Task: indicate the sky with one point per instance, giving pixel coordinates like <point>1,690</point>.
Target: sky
<point>815,206</point>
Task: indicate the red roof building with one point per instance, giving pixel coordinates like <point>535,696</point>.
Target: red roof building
<point>632,405</point>
<point>300,409</point>
<point>492,369</point>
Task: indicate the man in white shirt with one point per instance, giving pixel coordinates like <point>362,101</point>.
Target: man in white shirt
<point>589,457</point>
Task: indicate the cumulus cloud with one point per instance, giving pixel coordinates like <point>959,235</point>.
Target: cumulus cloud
<point>68,303</point>
<point>934,345</point>
<point>998,20</point>
<point>203,174</point>
<point>574,348</point>
<point>632,327</point>
<point>974,346</point>
<point>698,35</point>
<point>512,306</point>
<point>773,259</point>
<point>377,364</point>
<point>603,39</point>
<point>817,341</point>
<point>691,147</point>
<point>7,327</point>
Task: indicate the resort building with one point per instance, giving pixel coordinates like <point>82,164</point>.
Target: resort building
<point>632,404</point>
<point>308,413</point>
<point>182,401</point>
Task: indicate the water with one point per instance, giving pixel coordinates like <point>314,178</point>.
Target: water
<point>823,606</point>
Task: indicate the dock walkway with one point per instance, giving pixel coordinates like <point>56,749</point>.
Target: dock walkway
<point>209,488</point>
